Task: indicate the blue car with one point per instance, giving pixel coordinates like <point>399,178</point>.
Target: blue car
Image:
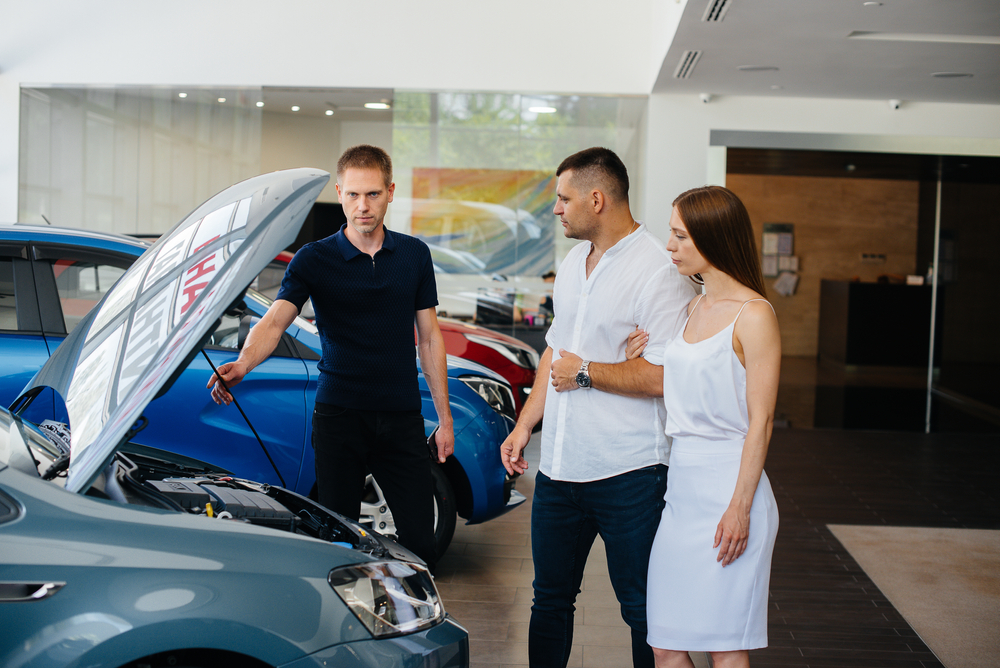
<point>117,554</point>
<point>50,278</point>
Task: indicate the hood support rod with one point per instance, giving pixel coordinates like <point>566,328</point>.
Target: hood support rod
<point>262,446</point>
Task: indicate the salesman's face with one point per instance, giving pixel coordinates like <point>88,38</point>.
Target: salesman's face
<point>365,198</point>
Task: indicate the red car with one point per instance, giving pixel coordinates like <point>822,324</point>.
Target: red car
<point>515,360</point>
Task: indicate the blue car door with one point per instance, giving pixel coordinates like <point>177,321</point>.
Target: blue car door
<point>186,420</point>
<point>69,281</point>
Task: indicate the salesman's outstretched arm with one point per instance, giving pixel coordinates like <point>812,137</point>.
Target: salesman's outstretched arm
<point>261,342</point>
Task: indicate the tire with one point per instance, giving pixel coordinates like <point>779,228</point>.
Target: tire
<point>445,510</point>
<point>375,511</point>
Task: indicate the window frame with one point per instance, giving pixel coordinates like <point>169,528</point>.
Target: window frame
<point>49,303</point>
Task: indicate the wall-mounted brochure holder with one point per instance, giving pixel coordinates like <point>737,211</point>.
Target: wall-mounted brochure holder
<point>777,246</point>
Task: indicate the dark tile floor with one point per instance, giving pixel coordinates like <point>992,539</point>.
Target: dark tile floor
<point>825,612</point>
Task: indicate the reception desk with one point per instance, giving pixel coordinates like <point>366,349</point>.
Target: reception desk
<point>878,324</point>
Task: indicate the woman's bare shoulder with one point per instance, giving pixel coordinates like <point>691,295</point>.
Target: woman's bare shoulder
<point>758,317</point>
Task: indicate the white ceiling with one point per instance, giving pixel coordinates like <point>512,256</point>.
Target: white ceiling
<point>807,41</point>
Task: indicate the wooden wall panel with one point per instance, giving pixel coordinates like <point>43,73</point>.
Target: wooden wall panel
<point>836,221</point>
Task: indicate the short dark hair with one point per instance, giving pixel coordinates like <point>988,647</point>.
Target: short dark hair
<point>366,156</point>
<point>601,168</point>
<point>720,228</point>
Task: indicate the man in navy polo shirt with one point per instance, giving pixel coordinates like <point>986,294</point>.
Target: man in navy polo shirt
<point>368,285</point>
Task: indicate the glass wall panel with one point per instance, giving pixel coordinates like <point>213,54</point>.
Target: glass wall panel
<point>966,393</point>
<point>475,172</point>
<point>132,160</point>
<point>475,179</point>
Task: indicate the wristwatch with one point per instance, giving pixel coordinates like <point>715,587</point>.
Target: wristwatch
<point>583,376</point>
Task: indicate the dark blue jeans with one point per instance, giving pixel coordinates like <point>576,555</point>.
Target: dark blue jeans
<point>566,517</point>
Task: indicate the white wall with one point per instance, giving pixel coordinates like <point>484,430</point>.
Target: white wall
<point>679,157</point>
<point>438,44</point>
<point>10,95</point>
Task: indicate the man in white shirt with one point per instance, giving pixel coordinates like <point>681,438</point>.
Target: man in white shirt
<point>604,454</point>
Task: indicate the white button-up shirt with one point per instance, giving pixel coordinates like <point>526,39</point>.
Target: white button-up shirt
<point>588,434</point>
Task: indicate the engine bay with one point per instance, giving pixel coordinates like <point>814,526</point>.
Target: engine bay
<point>219,499</point>
<point>149,481</point>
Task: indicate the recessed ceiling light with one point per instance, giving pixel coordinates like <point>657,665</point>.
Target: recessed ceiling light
<point>543,110</point>
<point>776,87</point>
<point>260,104</point>
<point>951,75</point>
<point>376,105</point>
<point>757,68</point>
<point>872,4</point>
<point>295,108</point>
<point>182,94</point>
<point>221,100</point>
<point>329,112</point>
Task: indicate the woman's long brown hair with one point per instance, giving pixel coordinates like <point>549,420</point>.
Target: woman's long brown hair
<point>719,227</point>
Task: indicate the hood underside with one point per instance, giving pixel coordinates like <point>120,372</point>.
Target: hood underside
<point>158,315</point>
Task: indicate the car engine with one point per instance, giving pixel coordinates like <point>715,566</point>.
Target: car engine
<point>151,481</point>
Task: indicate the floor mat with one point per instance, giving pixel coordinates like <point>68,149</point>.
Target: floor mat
<point>945,582</point>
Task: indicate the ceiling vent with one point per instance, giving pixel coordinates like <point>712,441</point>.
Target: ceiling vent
<point>716,10</point>
<point>688,60</point>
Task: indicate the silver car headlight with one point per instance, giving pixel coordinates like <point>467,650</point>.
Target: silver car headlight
<point>498,395</point>
<point>524,357</point>
<point>390,598</point>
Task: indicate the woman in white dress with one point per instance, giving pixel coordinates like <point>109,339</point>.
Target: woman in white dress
<point>710,564</point>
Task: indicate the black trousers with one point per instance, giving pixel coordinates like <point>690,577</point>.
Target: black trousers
<point>391,445</point>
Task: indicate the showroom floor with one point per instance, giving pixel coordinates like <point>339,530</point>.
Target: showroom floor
<point>824,611</point>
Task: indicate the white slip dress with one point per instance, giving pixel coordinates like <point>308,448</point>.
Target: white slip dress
<point>693,603</point>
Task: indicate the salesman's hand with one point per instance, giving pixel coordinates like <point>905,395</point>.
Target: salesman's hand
<point>445,439</point>
<point>512,449</point>
<point>232,373</point>
<point>564,370</point>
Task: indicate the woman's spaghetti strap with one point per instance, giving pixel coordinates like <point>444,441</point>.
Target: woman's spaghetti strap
<point>696,304</point>
<point>753,300</point>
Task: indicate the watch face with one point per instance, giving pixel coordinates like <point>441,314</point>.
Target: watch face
<point>582,379</point>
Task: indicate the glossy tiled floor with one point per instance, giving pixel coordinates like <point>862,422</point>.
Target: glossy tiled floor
<point>824,611</point>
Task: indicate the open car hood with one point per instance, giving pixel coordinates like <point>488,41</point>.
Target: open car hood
<point>157,317</point>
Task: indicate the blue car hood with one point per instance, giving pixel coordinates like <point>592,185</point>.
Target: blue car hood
<point>158,315</point>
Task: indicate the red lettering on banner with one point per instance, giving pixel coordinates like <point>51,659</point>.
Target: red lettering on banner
<point>205,244</point>
<point>192,290</point>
